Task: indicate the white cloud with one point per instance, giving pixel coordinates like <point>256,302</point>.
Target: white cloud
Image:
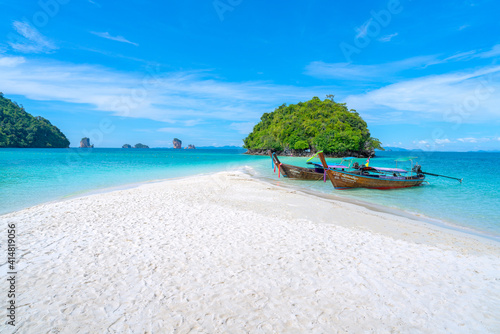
<point>172,130</point>
<point>472,54</point>
<point>386,71</point>
<point>29,40</point>
<point>474,140</point>
<point>181,98</point>
<point>469,95</point>
<point>494,52</point>
<point>377,72</point>
<point>387,38</point>
<point>11,61</point>
<point>442,141</point>
<point>243,127</point>
<point>193,122</point>
<point>113,38</point>
<point>467,140</point>
<point>462,56</point>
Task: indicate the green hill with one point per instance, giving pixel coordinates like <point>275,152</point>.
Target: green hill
<point>313,125</point>
<point>20,129</point>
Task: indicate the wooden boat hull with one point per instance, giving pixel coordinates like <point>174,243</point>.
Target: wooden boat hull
<point>356,179</point>
<point>295,172</point>
<point>348,180</point>
<point>302,173</point>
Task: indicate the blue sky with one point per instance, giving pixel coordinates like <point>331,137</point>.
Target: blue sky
<point>423,74</point>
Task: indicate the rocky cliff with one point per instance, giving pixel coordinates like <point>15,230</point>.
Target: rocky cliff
<point>85,143</point>
<point>177,143</point>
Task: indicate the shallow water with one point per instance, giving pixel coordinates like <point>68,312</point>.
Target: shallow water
<point>473,204</point>
<point>33,176</point>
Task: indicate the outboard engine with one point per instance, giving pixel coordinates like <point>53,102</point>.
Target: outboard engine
<point>417,169</point>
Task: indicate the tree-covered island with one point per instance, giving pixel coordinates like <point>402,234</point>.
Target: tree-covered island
<point>20,129</point>
<point>307,127</point>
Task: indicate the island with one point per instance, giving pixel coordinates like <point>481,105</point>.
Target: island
<point>19,129</point>
<point>177,143</point>
<point>126,146</point>
<point>305,128</point>
<point>85,143</point>
<point>139,145</point>
<point>191,147</point>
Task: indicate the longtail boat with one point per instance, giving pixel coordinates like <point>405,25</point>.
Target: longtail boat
<point>372,177</point>
<point>296,172</point>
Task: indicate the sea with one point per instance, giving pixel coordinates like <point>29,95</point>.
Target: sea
<point>33,176</point>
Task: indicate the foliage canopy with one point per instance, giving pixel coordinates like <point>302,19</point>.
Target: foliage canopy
<point>317,125</point>
<point>20,129</point>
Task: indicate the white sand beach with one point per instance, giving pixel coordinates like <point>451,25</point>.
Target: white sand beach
<point>226,253</point>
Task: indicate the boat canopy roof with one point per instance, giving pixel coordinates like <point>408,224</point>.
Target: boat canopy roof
<point>406,159</point>
<point>330,166</point>
<point>384,169</point>
<point>337,166</point>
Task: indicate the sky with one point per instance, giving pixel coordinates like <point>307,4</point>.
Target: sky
<point>422,74</point>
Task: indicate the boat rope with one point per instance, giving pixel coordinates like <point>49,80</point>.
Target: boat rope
<point>279,170</point>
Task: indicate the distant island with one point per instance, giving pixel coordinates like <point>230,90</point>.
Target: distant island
<point>85,143</point>
<point>177,143</point>
<point>395,149</point>
<point>139,145</point>
<point>21,130</point>
<point>307,127</point>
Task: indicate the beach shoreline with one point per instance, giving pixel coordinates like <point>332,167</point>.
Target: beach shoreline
<point>227,251</point>
<point>248,170</point>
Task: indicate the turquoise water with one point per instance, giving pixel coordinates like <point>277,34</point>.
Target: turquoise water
<point>33,176</point>
<point>473,205</point>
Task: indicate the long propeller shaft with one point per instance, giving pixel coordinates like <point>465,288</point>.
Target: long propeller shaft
<point>449,177</point>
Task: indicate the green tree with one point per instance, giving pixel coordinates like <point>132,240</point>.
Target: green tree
<point>319,125</point>
<point>20,129</point>
<point>301,145</point>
